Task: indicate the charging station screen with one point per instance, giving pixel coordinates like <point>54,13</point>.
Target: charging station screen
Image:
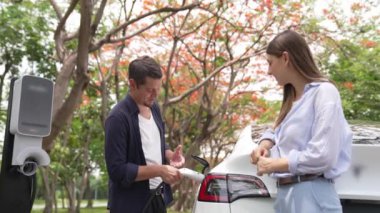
<point>35,106</point>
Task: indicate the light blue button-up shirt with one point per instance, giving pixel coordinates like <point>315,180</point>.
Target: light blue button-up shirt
<point>314,136</point>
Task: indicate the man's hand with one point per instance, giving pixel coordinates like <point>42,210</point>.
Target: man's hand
<point>170,175</point>
<point>177,160</point>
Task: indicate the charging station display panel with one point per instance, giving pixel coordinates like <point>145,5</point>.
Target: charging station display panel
<point>35,106</point>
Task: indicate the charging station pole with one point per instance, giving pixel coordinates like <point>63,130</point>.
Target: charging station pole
<point>28,120</point>
<point>16,190</point>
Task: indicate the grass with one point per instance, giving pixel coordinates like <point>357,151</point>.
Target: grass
<point>83,210</point>
<point>95,210</point>
<point>100,208</point>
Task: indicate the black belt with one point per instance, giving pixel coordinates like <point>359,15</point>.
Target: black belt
<point>297,179</point>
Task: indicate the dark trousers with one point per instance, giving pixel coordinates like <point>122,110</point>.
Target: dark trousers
<point>156,205</point>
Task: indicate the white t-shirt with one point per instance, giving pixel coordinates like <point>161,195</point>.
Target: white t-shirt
<point>151,144</point>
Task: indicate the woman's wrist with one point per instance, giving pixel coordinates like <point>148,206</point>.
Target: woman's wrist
<point>266,143</point>
<point>280,165</point>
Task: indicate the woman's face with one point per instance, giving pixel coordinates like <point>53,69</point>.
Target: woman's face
<point>276,68</point>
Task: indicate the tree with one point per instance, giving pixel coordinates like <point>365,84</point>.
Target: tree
<point>357,73</point>
<point>351,57</point>
<point>24,47</point>
<point>211,56</point>
<point>206,56</point>
<point>73,48</point>
<point>77,153</point>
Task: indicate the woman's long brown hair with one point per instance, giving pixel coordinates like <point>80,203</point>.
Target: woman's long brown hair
<point>301,58</point>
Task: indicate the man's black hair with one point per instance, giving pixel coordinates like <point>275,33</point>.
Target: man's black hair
<point>142,67</point>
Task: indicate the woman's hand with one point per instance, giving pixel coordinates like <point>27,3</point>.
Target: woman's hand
<point>264,165</point>
<point>269,165</point>
<point>261,151</point>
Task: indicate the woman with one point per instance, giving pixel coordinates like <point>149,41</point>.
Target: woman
<point>310,144</point>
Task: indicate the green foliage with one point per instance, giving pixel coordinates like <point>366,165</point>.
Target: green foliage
<point>83,135</point>
<point>25,47</point>
<point>24,31</point>
<point>356,72</point>
<point>219,61</point>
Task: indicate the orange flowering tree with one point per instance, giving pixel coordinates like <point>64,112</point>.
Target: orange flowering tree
<point>214,71</point>
<point>215,79</point>
<point>78,75</point>
<point>211,53</point>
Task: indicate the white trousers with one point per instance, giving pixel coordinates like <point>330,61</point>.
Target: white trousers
<point>315,196</point>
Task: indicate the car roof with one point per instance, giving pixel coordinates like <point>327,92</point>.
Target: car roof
<point>364,132</point>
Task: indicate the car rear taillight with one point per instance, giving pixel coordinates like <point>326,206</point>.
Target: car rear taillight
<point>214,189</point>
<point>228,188</point>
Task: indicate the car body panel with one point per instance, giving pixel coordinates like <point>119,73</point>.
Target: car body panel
<point>207,207</point>
<point>238,162</point>
<point>251,205</point>
<point>360,182</point>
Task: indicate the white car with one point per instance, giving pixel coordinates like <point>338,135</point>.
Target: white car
<point>233,186</point>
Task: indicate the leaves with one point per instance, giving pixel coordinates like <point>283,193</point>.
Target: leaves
<point>358,77</point>
<point>24,28</point>
<point>191,45</point>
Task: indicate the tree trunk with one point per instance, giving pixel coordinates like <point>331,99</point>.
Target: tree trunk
<point>85,172</point>
<point>62,112</point>
<point>53,190</point>
<point>82,189</point>
<point>63,198</point>
<point>117,89</point>
<point>104,106</point>
<point>48,195</point>
<point>71,194</point>
<point>89,195</point>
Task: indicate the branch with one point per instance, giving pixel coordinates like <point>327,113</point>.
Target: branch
<point>56,9</point>
<point>107,38</point>
<point>98,17</point>
<point>140,31</point>
<point>84,36</point>
<point>60,27</point>
<point>200,84</point>
<point>71,36</point>
<point>168,71</point>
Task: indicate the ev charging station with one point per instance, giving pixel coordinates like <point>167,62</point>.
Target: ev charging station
<point>29,119</point>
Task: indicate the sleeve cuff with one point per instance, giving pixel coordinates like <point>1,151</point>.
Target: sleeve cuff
<point>293,161</point>
<point>131,175</point>
<point>269,135</point>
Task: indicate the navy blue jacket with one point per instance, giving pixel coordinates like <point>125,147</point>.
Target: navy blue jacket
<point>123,155</point>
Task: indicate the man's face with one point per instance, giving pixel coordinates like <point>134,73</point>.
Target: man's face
<point>145,94</point>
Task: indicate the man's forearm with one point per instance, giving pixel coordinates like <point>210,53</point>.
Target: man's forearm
<point>149,171</point>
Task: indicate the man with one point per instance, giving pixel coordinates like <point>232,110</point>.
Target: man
<point>135,151</point>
